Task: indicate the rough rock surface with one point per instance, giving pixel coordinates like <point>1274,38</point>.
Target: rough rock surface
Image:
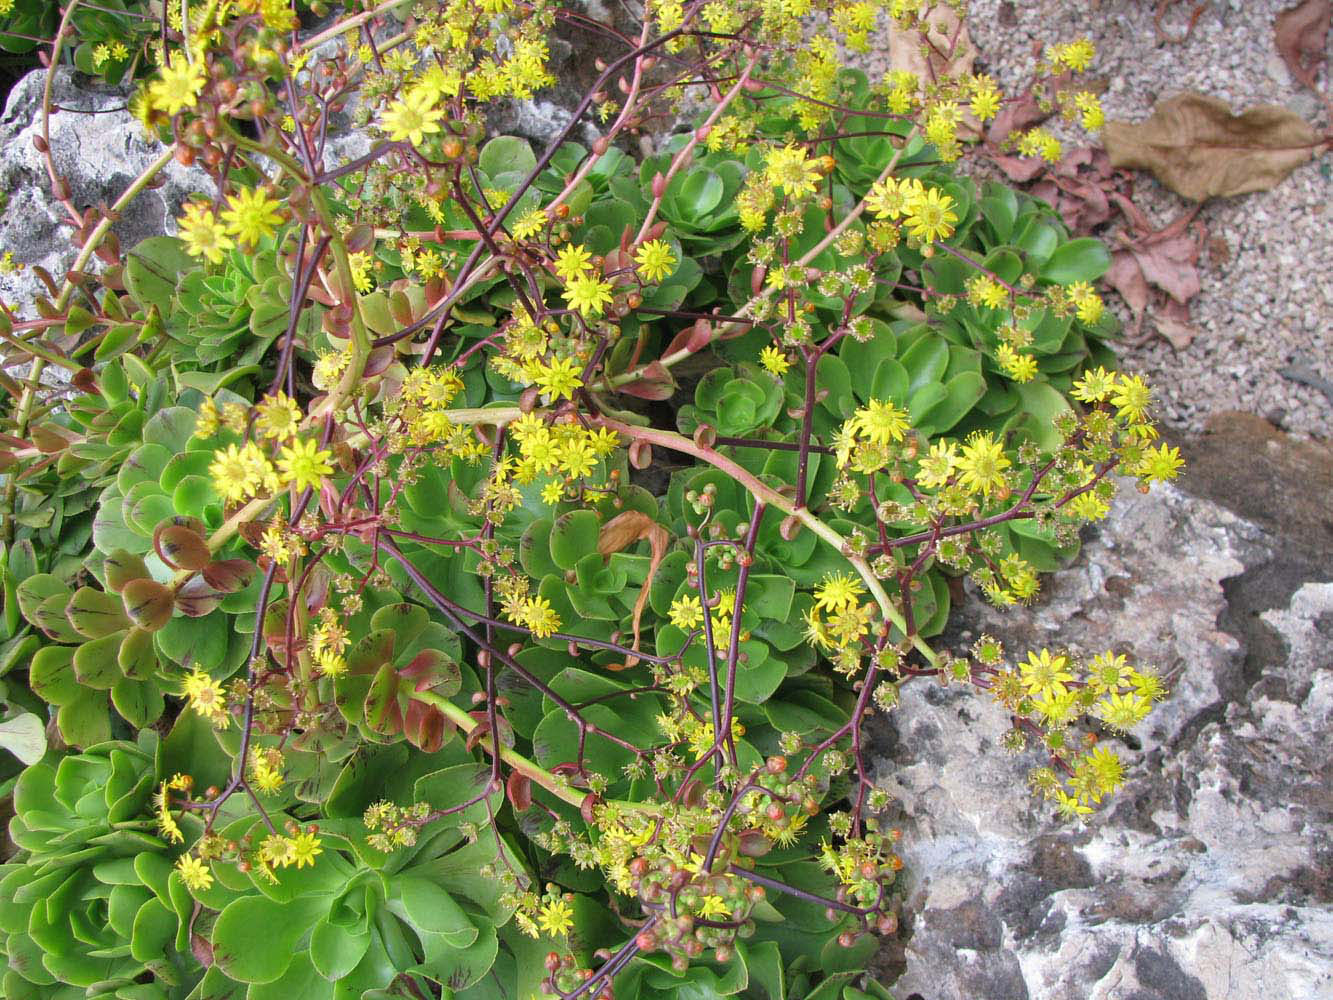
<point>100,149</point>
<point>1210,875</point>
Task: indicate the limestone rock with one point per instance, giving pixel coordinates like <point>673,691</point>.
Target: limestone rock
<point>1210,875</point>
<point>99,148</point>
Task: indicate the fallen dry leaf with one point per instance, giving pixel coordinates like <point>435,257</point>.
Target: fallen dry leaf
<point>1078,187</point>
<point>1193,18</point>
<point>1195,146</point>
<point>951,50</point>
<point>1179,333</point>
<point>619,533</point>
<point>951,54</point>
<point>1301,35</point>
<point>1165,259</point>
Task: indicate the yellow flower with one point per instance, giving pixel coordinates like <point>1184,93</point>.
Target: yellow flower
<point>1159,464</point>
<point>982,464</point>
<point>203,234</point>
<point>279,417</point>
<point>529,224</point>
<point>206,422</point>
<point>686,612</point>
<point>252,215</point>
<point>206,698</point>
<point>1132,398</point>
<point>1077,55</point>
<point>265,770</point>
<point>1090,109</point>
<point>556,917</point>
<point>838,592</point>
<point>930,216</point>
<point>572,260</point>
<point>277,850</point>
<point>1019,367</point>
<point>233,477</point>
<point>714,908</point>
<point>194,873</point>
<point>304,464</point>
<point>412,117</point>
<point>166,822</point>
<point>331,664</point>
<point>937,465</point>
<point>788,169</point>
<point>1070,806</point>
<point>559,379</point>
<point>439,82</point>
<point>656,260</point>
<point>361,264</point>
<point>1094,385</point>
<point>305,848</point>
<point>985,99</point>
<point>774,361</point>
<point>588,294</point>
<point>1045,674</point>
<point>1123,711</point>
<point>539,616</point>
<point>880,422</point>
<point>178,86</point>
<point>553,492</point>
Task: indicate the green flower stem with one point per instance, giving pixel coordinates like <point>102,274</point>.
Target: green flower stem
<point>556,786</point>
<point>766,494</point>
<point>342,261</point>
<point>687,151</point>
<point>349,24</point>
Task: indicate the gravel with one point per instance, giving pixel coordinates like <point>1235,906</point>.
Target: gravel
<point>1267,302</point>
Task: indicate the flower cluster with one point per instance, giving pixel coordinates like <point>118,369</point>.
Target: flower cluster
<point>927,213</point>
<point>530,611</point>
<point>1052,691</point>
<point>566,449</point>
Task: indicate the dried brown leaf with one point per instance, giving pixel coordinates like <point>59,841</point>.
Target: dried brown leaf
<point>1176,331</point>
<point>1126,277</point>
<point>1195,146</point>
<point>951,51</point>
<point>619,533</point>
<point>1170,265</point>
<point>1301,35</point>
<point>939,50</point>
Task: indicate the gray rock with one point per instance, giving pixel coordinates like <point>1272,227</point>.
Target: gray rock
<point>1210,874</point>
<point>100,149</point>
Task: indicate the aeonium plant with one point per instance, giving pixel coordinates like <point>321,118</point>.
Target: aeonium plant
<point>510,665</point>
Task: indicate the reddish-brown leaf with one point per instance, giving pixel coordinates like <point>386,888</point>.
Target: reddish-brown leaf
<point>692,339</point>
<point>655,383</point>
<point>519,791</point>
<point>1126,277</point>
<point>1301,35</point>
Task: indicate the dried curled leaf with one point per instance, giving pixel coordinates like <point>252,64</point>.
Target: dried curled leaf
<point>1301,36</point>
<point>1195,146</point>
<point>619,533</point>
